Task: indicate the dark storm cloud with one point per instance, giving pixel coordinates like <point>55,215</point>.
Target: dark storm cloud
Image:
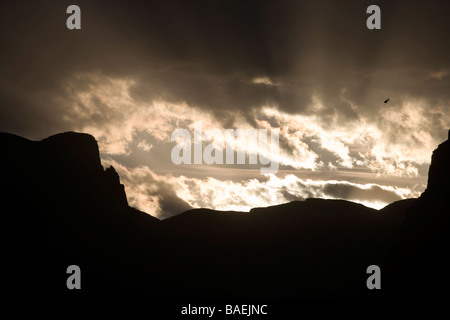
<point>324,155</point>
<point>169,203</point>
<point>289,196</point>
<point>374,193</point>
<point>342,190</point>
<point>207,53</point>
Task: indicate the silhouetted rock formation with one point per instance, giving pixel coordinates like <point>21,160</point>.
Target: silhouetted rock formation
<point>439,173</point>
<point>425,243</point>
<point>62,169</point>
<point>60,207</point>
<point>429,216</point>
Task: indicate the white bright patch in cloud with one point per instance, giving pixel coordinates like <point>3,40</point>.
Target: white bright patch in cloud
<point>144,145</point>
<point>439,75</point>
<point>331,139</point>
<point>263,80</point>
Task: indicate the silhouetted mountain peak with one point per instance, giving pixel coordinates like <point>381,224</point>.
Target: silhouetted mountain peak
<point>426,222</point>
<point>439,172</point>
<point>80,150</point>
<point>112,175</point>
<point>425,240</point>
<point>61,170</point>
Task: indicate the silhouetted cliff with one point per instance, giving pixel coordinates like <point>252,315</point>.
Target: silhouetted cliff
<point>63,169</point>
<point>423,253</point>
<point>439,173</point>
<point>59,206</point>
<point>429,216</point>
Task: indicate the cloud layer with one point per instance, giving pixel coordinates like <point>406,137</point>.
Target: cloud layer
<point>312,70</point>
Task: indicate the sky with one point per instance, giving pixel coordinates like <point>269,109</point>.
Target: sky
<point>310,72</point>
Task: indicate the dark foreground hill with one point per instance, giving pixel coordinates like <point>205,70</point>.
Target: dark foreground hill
<point>61,208</point>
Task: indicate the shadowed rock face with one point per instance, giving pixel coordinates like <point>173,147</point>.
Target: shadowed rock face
<point>439,173</point>
<point>430,216</point>
<point>425,243</point>
<point>60,207</point>
<point>60,170</point>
